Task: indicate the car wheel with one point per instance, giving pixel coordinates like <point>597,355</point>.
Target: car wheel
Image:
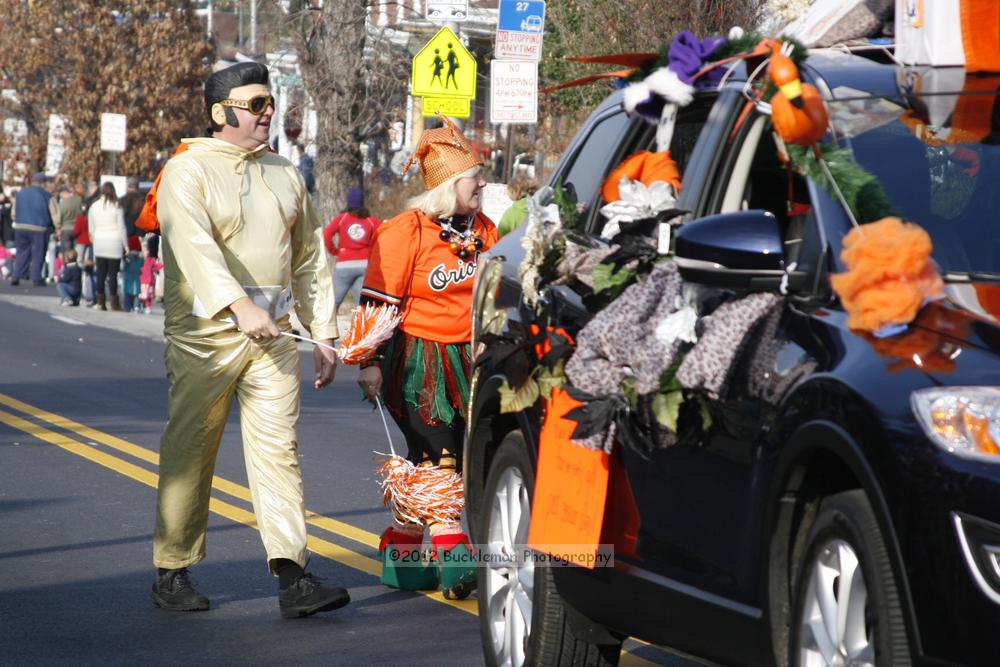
<point>522,619</point>
<point>847,609</point>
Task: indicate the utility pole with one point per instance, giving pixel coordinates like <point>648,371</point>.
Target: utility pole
<point>253,28</point>
<point>210,17</point>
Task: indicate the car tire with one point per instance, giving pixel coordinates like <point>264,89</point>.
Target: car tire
<point>526,625</point>
<point>846,603</point>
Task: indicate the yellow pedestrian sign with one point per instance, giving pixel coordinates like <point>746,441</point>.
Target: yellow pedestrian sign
<point>444,68</point>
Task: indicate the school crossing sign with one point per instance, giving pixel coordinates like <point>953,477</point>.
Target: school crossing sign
<point>444,68</point>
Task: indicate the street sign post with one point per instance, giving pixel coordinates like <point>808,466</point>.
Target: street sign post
<point>113,131</point>
<point>447,10</point>
<point>520,27</point>
<point>513,92</point>
<point>56,148</point>
<point>444,68</point>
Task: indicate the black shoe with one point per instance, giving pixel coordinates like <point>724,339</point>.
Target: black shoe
<point>174,590</point>
<point>38,283</point>
<point>307,596</point>
<point>15,281</point>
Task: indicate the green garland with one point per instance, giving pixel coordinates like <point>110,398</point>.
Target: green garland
<point>861,189</point>
<point>750,39</point>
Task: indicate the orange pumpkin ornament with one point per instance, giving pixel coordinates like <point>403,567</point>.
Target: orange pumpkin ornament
<point>800,126</point>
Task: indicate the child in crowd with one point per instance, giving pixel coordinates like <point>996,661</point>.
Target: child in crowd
<point>70,284</point>
<point>131,268</point>
<point>151,266</point>
<point>6,261</point>
<point>85,255</point>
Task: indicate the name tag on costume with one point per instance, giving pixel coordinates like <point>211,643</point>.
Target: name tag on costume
<point>275,299</point>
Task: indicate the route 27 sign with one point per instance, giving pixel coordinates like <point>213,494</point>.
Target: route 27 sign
<point>522,16</point>
<point>444,68</point>
<point>519,30</point>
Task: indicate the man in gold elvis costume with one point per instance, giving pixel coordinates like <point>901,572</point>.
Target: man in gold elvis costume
<point>242,244</point>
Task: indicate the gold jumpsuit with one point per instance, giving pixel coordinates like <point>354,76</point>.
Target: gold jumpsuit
<point>235,222</point>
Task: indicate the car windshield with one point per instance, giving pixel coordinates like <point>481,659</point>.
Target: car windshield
<point>937,157</point>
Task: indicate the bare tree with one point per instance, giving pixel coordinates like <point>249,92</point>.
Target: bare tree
<point>592,27</point>
<point>146,59</point>
<point>355,78</point>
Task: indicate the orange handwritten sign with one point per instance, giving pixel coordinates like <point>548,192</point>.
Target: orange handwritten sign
<point>570,489</point>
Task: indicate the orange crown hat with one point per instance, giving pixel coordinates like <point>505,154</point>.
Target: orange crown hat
<point>442,153</point>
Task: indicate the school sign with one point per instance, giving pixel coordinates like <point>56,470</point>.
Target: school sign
<point>444,74</point>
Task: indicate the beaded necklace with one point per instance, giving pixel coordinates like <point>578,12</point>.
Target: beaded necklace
<point>463,243</point>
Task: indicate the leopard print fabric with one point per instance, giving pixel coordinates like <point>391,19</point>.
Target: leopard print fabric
<point>706,367</point>
<point>621,340</point>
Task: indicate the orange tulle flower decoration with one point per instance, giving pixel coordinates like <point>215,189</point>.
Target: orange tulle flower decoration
<point>371,326</point>
<point>421,494</point>
<point>889,274</point>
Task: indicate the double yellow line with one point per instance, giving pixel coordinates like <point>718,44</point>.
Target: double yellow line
<point>228,510</point>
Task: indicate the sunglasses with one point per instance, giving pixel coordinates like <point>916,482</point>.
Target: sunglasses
<point>255,105</point>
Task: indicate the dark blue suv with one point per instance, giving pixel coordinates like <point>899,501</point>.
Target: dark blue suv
<point>843,508</point>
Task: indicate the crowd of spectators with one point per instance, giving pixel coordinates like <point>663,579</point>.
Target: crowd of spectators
<point>83,239</point>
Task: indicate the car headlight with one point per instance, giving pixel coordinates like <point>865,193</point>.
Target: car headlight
<point>962,420</point>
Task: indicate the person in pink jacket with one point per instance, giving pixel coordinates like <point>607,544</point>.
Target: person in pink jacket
<point>355,231</point>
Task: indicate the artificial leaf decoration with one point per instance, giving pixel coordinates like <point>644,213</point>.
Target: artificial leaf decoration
<point>889,274</point>
<point>549,379</point>
<point>515,400</point>
<point>667,407</point>
<point>608,277</point>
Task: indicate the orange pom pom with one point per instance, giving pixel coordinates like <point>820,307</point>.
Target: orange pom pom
<point>420,494</point>
<point>370,327</point>
<point>889,274</point>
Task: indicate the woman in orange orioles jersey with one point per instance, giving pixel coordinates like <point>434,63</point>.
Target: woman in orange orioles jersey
<point>424,261</point>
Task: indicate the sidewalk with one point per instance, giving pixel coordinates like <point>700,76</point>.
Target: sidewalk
<point>46,299</point>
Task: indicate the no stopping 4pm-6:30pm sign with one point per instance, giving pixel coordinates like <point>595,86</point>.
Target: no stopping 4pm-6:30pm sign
<point>513,92</point>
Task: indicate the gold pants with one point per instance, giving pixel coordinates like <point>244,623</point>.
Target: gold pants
<point>205,372</point>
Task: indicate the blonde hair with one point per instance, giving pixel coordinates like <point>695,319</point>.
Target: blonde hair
<point>441,201</point>
<point>519,188</point>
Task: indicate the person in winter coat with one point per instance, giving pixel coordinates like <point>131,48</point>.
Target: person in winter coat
<point>35,214</point>
<point>355,231</point>
<point>106,228</point>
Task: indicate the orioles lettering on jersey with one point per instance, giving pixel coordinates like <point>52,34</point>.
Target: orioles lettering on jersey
<point>440,277</point>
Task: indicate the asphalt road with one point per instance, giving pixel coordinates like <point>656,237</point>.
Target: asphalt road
<point>82,405</point>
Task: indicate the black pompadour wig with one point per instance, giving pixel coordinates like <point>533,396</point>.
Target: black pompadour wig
<point>220,84</point>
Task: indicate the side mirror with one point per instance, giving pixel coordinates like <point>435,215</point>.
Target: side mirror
<point>544,195</point>
<point>739,250</point>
